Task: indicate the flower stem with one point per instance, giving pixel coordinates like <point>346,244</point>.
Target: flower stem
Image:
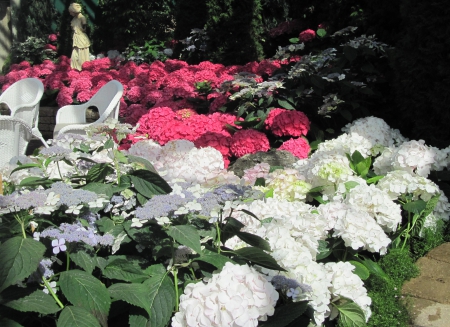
<point>50,290</point>
<point>175,281</point>
<point>21,223</point>
<point>218,237</point>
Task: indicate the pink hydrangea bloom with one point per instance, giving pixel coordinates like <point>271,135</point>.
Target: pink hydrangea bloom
<point>134,113</point>
<point>248,141</point>
<point>65,96</point>
<point>307,35</point>
<point>283,122</point>
<point>50,47</point>
<point>53,38</point>
<point>216,140</point>
<point>299,147</point>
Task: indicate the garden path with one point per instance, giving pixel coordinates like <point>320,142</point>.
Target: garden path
<point>428,295</point>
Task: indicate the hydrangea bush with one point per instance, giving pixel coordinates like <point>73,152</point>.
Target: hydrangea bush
<point>163,234</point>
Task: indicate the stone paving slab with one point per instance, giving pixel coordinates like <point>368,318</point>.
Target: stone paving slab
<point>441,253</point>
<point>427,296</point>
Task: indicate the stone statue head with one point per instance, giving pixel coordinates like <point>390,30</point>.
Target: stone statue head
<point>75,8</point>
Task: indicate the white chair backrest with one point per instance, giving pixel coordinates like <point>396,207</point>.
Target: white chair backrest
<point>107,100</point>
<point>23,99</point>
<point>15,134</point>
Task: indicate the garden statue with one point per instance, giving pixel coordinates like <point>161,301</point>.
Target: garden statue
<point>81,43</point>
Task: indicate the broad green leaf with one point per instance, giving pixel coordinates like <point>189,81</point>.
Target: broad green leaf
<point>186,235</point>
<point>99,188</point>
<point>260,181</point>
<point>318,81</point>
<point>294,40</point>
<point>84,260</point>
<point>25,166</point>
<point>155,270</point>
<point>5,322</point>
<point>374,179</point>
<point>350,315</point>
<point>350,53</point>
<point>161,292</point>
<point>99,172</point>
<point>32,180</point>
<point>84,290</point>
<point>285,104</point>
<point>149,184</point>
<point>76,317</point>
<point>360,270</point>
<point>350,184</point>
<point>213,258</point>
<point>431,204</point>
<point>321,32</point>
<point>324,250</point>
<point>136,320</point>
<point>134,294</point>
<point>249,213</point>
<point>109,144</point>
<point>415,206</point>
<point>144,162</point>
<point>374,268</point>
<point>37,301</point>
<point>286,314</point>
<point>122,269</point>
<point>19,257</point>
<point>254,240</point>
<point>259,257</point>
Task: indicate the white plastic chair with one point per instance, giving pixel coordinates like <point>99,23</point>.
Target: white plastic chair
<point>23,99</point>
<point>15,134</point>
<point>72,118</point>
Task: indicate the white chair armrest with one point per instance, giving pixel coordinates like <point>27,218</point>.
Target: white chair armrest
<point>71,114</point>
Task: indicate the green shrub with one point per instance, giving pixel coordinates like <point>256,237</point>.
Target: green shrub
<point>234,28</point>
<point>388,308</point>
<point>122,22</point>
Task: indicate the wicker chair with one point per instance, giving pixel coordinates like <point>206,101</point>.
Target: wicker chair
<point>23,98</point>
<point>15,134</point>
<point>72,118</point>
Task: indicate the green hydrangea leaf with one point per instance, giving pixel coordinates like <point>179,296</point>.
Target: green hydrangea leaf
<point>84,290</point>
<point>19,257</point>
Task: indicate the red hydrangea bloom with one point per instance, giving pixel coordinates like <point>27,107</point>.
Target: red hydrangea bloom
<point>171,65</point>
<point>186,113</point>
<point>251,67</point>
<point>267,67</point>
<point>123,108</point>
<point>307,35</point>
<point>299,147</point>
<point>248,141</point>
<point>283,122</point>
<point>135,94</point>
<point>218,102</point>
<point>134,113</point>
<point>84,96</point>
<point>50,47</point>
<point>81,84</point>
<point>53,38</point>
<point>155,120</point>
<point>218,141</point>
<point>65,96</point>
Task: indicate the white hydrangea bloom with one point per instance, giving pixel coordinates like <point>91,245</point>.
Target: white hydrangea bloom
<point>346,284</point>
<point>287,184</point>
<point>377,203</point>
<point>260,170</point>
<point>237,296</point>
<point>356,227</point>
<point>326,169</point>
<point>316,275</point>
<point>347,143</point>
<point>376,131</point>
<point>441,158</point>
<point>412,156</point>
<point>147,149</point>
<point>400,182</point>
